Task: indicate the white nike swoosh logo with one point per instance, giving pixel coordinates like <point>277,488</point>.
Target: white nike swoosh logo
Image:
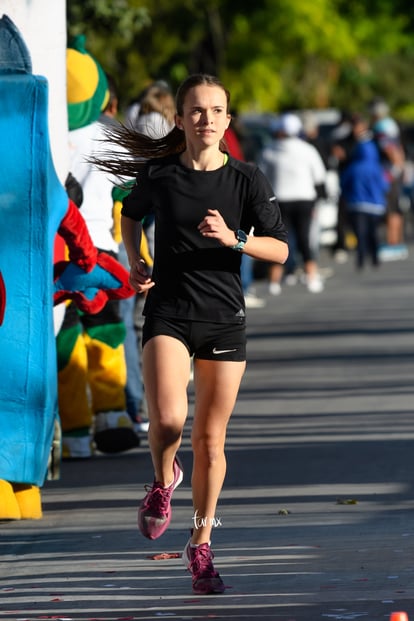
<point>222,351</point>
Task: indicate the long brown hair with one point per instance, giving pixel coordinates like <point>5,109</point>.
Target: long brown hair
<point>136,147</point>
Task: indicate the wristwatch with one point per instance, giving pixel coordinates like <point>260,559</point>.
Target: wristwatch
<point>241,240</point>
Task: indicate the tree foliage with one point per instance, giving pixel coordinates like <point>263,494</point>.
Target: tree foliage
<point>272,54</point>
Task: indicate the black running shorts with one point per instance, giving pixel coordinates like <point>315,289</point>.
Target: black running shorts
<point>205,340</point>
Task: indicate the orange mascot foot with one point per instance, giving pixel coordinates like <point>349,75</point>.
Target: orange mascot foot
<point>19,501</point>
<point>9,507</point>
<point>29,500</point>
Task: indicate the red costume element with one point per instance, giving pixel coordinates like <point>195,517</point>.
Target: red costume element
<point>90,278</point>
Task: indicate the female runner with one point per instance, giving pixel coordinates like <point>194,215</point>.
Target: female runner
<point>205,205</point>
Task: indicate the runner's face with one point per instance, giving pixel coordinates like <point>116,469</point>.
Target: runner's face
<point>205,116</point>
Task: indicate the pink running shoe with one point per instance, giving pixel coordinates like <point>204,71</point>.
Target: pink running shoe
<point>154,513</point>
<point>199,561</point>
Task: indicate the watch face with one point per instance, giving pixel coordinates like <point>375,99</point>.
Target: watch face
<point>241,236</point>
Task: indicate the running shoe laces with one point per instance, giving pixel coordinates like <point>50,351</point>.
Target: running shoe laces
<point>154,513</point>
<point>199,561</point>
<point>157,502</point>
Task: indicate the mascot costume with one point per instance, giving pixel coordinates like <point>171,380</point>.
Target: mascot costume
<point>32,204</point>
<point>91,357</point>
<point>34,207</point>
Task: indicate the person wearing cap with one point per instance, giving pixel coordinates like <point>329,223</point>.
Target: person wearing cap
<point>91,358</point>
<point>297,174</point>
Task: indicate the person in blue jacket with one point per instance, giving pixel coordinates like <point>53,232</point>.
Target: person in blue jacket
<point>364,187</point>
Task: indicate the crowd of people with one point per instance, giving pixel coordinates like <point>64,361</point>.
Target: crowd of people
<point>370,158</point>
<point>366,155</point>
<point>172,197</point>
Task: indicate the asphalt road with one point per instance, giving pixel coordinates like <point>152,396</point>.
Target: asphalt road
<point>315,521</point>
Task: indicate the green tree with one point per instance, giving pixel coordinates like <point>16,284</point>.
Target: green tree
<point>273,54</point>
